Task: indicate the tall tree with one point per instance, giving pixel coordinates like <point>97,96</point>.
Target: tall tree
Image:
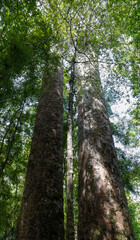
<point>41,215</point>
<point>69,196</point>
<point>103,211</point>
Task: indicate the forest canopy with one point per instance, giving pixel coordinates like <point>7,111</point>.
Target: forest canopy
<point>37,39</point>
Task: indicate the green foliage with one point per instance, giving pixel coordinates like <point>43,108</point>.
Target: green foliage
<point>134,210</point>
<point>15,143</point>
<point>33,37</point>
<point>130,172</point>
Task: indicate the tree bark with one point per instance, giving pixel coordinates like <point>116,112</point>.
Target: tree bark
<point>69,197</point>
<point>41,215</point>
<point>103,210</point>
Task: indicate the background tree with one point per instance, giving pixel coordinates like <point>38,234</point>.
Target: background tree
<point>69,203</point>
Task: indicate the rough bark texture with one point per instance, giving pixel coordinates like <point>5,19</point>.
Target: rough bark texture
<point>41,216</point>
<point>103,211</point>
<point>69,203</point>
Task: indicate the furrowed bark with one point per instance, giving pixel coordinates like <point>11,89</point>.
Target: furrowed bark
<point>69,202</point>
<point>103,210</point>
<point>41,215</point>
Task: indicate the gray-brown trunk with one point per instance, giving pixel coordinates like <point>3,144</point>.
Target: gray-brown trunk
<point>69,197</point>
<point>41,216</point>
<point>103,211</point>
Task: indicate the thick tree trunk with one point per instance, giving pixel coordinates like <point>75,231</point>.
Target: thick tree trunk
<point>103,211</point>
<point>69,203</point>
<point>41,216</point>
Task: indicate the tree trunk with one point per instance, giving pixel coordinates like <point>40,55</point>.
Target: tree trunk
<point>41,216</point>
<point>69,203</point>
<point>103,210</point>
